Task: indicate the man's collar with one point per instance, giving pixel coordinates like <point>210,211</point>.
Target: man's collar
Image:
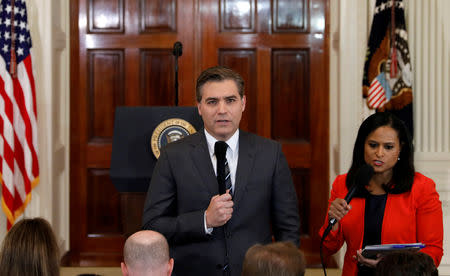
<point>232,142</point>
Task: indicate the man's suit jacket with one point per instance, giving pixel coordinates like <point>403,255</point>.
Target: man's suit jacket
<point>182,185</point>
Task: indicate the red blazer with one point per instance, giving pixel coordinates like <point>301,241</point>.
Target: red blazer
<point>414,216</point>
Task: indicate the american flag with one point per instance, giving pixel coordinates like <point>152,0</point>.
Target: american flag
<point>19,168</point>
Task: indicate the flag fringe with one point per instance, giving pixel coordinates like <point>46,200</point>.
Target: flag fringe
<point>9,215</point>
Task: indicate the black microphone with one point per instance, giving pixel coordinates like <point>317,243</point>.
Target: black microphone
<point>220,149</point>
<point>177,52</point>
<point>362,179</point>
<point>177,49</point>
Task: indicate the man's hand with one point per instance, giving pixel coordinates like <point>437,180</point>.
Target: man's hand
<point>219,210</point>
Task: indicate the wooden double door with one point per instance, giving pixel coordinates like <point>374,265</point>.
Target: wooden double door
<point>121,54</point>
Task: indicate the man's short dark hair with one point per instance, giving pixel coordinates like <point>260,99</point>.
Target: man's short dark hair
<point>406,263</point>
<point>275,259</point>
<point>218,73</point>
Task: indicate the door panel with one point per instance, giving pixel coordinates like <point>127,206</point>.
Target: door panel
<point>106,16</point>
<point>290,95</point>
<point>105,92</point>
<point>155,78</point>
<point>158,16</point>
<point>244,62</point>
<point>237,16</point>
<point>290,16</point>
<point>121,54</point>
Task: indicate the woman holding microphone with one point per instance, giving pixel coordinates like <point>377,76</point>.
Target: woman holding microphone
<point>397,205</point>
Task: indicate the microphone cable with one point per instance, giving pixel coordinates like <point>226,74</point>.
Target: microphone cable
<point>325,233</point>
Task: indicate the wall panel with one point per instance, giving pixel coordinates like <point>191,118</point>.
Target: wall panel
<point>429,41</point>
<point>430,44</point>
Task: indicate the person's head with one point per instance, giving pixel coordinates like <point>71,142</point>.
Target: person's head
<point>406,263</point>
<point>30,248</point>
<point>220,101</point>
<point>275,259</point>
<point>383,142</point>
<point>146,253</point>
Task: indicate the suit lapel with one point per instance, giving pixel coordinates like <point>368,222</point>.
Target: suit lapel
<point>202,162</point>
<point>245,164</point>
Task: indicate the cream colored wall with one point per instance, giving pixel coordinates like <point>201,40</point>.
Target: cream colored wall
<point>348,32</point>
<point>430,51</point>
<point>350,22</point>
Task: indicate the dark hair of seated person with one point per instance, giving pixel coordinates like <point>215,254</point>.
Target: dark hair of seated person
<point>30,248</point>
<point>406,263</point>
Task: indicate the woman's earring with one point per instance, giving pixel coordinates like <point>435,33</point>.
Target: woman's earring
<point>398,158</point>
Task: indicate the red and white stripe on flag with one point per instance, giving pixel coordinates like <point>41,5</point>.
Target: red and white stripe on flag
<point>376,95</point>
<point>19,168</point>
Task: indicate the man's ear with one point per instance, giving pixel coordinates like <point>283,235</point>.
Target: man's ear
<point>198,109</point>
<point>170,266</point>
<point>123,266</point>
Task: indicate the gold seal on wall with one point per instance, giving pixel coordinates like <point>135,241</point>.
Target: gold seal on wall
<point>169,131</point>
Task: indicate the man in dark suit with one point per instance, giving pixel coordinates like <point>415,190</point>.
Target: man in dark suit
<point>208,232</point>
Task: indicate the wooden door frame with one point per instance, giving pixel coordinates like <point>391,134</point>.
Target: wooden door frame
<point>320,139</point>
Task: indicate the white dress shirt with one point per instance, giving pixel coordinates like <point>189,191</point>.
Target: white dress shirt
<point>232,154</point>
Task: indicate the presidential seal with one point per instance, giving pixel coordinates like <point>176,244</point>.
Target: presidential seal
<point>169,131</point>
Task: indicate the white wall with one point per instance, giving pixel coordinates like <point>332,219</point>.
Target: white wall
<point>430,49</point>
<point>429,43</point>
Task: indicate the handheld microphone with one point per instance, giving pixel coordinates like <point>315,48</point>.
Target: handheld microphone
<point>220,149</point>
<point>362,179</point>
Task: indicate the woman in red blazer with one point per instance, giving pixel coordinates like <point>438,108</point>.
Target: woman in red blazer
<point>398,205</point>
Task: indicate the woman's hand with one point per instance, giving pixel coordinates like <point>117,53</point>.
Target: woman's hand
<point>365,261</point>
<point>338,209</point>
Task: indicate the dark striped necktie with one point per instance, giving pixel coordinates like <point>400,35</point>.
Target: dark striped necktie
<point>223,170</point>
<point>227,177</point>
